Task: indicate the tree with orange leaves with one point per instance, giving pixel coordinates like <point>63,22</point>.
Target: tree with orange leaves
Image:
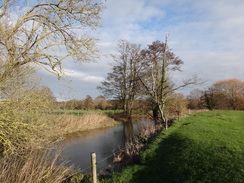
<point>233,92</point>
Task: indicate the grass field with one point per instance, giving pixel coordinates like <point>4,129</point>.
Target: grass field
<point>80,112</point>
<point>204,147</point>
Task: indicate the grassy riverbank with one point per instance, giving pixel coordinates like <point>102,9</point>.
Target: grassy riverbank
<point>204,147</point>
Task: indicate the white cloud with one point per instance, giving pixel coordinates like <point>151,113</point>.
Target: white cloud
<point>83,76</point>
<point>127,11</point>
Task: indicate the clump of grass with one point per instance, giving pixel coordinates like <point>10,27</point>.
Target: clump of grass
<point>32,167</point>
<point>70,123</point>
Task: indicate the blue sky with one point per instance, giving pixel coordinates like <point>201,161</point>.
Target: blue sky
<point>207,35</point>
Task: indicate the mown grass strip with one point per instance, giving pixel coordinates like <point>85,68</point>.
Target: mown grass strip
<point>204,147</point>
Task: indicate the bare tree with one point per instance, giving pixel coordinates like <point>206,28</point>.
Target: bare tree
<point>159,61</point>
<point>122,82</point>
<point>46,33</point>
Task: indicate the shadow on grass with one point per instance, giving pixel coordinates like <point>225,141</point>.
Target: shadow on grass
<point>177,159</point>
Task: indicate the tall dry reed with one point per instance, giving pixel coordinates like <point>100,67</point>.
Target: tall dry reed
<point>70,123</point>
<point>32,167</point>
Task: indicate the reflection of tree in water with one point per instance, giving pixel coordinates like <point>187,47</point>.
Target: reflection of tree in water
<point>131,128</point>
<point>128,130</point>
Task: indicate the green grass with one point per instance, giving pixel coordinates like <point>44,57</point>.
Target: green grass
<point>205,147</point>
<point>80,112</point>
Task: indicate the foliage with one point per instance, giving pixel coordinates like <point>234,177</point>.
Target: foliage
<point>232,91</point>
<point>88,103</point>
<point>210,98</point>
<point>204,147</point>
<point>23,130</point>
<point>21,114</point>
<point>77,178</point>
<point>223,94</point>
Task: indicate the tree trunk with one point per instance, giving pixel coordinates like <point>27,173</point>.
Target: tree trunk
<point>162,115</point>
<point>155,111</point>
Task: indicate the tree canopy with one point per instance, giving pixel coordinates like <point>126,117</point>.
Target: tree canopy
<point>46,32</point>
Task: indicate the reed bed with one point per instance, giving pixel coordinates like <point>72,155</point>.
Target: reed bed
<point>33,167</point>
<point>67,124</point>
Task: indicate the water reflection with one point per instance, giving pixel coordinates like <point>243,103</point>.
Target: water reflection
<point>77,148</point>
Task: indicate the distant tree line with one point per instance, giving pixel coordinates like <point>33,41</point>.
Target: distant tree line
<point>223,94</point>
<point>99,103</point>
<point>87,104</point>
<point>176,104</point>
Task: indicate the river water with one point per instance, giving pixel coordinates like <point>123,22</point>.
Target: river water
<point>77,148</point>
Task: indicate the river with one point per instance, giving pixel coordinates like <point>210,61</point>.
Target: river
<point>77,148</point>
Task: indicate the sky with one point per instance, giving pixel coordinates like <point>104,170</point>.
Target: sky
<point>207,35</point>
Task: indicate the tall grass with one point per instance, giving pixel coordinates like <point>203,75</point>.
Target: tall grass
<point>66,124</point>
<point>32,167</point>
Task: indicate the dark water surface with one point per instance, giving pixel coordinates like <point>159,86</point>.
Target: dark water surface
<point>77,148</point>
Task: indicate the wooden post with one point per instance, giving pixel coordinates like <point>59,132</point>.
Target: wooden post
<point>94,167</point>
